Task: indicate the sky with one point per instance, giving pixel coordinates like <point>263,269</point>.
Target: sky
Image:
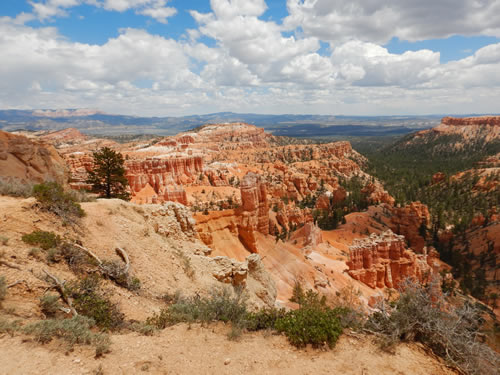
<point>184,57</point>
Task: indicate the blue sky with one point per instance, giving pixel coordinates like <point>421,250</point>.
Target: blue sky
<point>160,57</point>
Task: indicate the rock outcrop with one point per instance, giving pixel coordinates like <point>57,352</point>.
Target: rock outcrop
<point>409,221</point>
<point>254,211</point>
<point>383,261</point>
<point>30,161</point>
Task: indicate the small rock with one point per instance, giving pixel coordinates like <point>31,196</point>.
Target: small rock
<point>227,361</point>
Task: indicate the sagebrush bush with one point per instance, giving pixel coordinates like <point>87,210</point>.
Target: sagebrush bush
<point>450,332</point>
<point>89,300</point>
<point>45,240</point>
<point>15,188</point>
<point>143,328</point>
<point>221,305</point>
<point>53,198</point>
<point>76,330</point>
<point>9,327</point>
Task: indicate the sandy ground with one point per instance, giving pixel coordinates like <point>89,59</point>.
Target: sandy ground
<point>196,350</point>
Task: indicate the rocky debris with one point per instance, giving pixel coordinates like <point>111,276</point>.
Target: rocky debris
<point>383,261</point>
<point>408,221</point>
<point>30,161</point>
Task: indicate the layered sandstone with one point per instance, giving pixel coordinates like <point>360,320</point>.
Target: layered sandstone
<point>384,261</point>
<point>30,161</point>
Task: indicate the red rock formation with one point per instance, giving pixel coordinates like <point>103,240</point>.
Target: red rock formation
<point>383,261</point>
<point>79,164</point>
<point>30,161</point>
<point>472,121</point>
<point>408,221</point>
<point>376,194</point>
<point>254,211</point>
<point>161,172</point>
<point>438,177</point>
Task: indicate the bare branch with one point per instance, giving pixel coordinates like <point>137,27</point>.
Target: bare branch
<point>124,257</point>
<point>88,252</point>
<point>5,263</point>
<point>59,286</point>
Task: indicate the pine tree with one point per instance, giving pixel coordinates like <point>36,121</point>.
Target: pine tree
<point>108,176</point>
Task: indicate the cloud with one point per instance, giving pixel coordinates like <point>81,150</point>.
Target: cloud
<point>379,21</point>
<point>255,65</point>
<point>156,9</point>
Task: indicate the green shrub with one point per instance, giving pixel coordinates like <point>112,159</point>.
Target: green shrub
<point>49,304</point>
<point>53,198</point>
<point>89,300</point>
<point>116,271</point>
<point>3,289</point>
<point>264,319</point>
<point>311,325</point>
<point>46,240</point>
<point>76,330</point>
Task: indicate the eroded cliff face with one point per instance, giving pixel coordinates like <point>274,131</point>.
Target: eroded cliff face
<point>384,261</point>
<point>30,161</point>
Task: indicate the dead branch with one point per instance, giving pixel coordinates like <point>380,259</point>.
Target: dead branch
<point>59,286</point>
<point>19,282</point>
<point>122,254</point>
<point>7,264</point>
<point>89,253</point>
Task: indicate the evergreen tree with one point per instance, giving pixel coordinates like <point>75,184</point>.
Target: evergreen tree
<point>108,176</point>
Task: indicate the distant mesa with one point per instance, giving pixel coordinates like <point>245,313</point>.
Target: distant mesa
<point>472,121</point>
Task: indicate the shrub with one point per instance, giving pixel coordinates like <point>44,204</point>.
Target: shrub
<point>15,188</point>
<point>450,332</point>
<point>88,300</point>
<point>221,305</point>
<point>76,330</point>
<point>311,325</point>
<point>264,319</point>
<point>49,304</point>
<point>53,198</point>
<point>46,240</point>
<point>3,289</point>
<point>143,328</point>
<point>9,326</point>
